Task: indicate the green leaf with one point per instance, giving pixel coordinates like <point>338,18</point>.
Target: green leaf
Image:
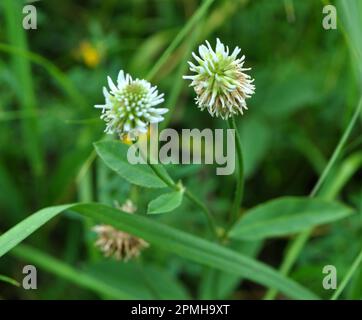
<point>166,238</point>
<point>114,155</point>
<point>165,203</point>
<point>285,216</point>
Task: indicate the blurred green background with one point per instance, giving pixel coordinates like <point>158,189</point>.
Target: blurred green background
<point>308,82</point>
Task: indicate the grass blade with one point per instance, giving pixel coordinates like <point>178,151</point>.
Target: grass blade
<point>25,90</point>
<point>9,280</point>
<point>201,11</point>
<point>348,276</point>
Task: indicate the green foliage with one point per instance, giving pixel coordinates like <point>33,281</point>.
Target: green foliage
<point>165,203</point>
<point>114,155</point>
<point>286,216</point>
<point>300,136</point>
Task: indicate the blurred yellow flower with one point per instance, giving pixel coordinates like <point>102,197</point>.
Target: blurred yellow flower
<point>89,53</point>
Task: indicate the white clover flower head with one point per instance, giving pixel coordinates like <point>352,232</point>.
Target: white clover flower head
<point>130,106</point>
<point>220,82</point>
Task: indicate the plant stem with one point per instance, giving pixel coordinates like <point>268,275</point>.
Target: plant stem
<point>84,187</point>
<point>205,210</point>
<point>348,276</point>
<point>21,69</point>
<point>239,173</point>
<point>298,243</point>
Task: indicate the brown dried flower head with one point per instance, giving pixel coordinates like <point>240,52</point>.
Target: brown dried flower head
<point>121,245</point>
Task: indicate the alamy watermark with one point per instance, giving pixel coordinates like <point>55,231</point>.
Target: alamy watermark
<point>30,280</point>
<point>190,146</point>
<point>329,21</point>
<point>30,19</point>
<point>330,280</point>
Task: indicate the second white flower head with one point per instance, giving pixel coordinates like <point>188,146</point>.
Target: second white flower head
<point>130,106</point>
<point>220,82</point>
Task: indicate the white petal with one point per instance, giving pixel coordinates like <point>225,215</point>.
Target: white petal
<point>236,52</point>
<point>111,84</point>
<point>127,126</point>
<point>156,102</point>
<point>197,58</point>
<point>160,110</point>
<point>106,93</point>
<point>140,123</point>
<point>155,119</point>
<point>121,79</point>
<point>219,46</point>
<point>208,45</point>
<point>203,51</point>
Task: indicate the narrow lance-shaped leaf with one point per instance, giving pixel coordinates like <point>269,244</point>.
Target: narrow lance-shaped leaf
<point>286,216</point>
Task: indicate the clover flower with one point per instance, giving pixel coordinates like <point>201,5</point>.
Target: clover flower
<point>119,244</point>
<point>130,106</point>
<point>220,82</point>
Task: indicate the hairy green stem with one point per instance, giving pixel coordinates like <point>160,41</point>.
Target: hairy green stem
<point>298,243</point>
<point>205,210</point>
<point>239,173</point>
